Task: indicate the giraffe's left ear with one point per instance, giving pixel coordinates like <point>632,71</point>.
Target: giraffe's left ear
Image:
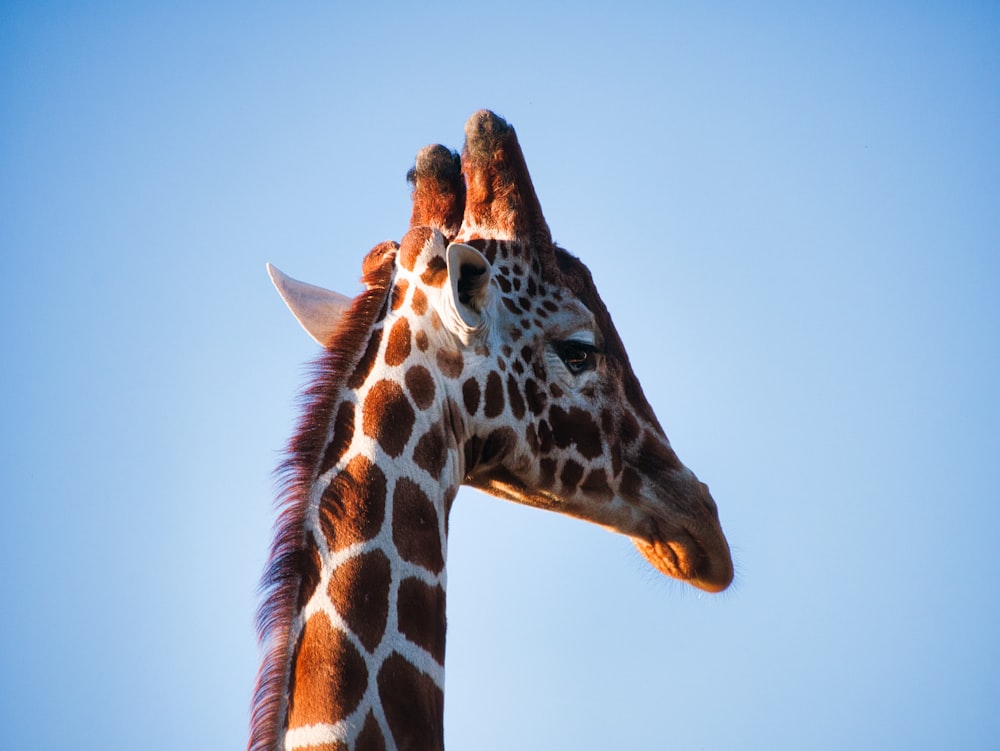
<point>317,309</point>
<point>469,277</point>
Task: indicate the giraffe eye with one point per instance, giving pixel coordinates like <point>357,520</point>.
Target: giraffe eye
<point>578,357</point>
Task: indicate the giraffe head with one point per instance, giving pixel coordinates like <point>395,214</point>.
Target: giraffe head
<point>536,392</point>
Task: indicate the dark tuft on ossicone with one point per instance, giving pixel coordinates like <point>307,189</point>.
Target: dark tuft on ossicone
<point>438,189</point>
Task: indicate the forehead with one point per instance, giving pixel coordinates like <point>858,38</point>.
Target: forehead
<point>546,298</point>
<point>574,277</point>
<point>551,286</point>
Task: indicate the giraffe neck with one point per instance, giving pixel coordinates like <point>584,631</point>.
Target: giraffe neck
<point>366,645</point>
<point>369,639</point>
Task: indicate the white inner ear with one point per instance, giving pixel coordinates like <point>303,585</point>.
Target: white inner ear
<point>318,310</point>
<point>469,277</point>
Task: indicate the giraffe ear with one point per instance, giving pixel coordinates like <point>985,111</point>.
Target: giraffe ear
<point>318,310</point>
<point>469,276</point>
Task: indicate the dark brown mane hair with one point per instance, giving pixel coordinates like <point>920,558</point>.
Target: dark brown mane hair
<point>291,566</point>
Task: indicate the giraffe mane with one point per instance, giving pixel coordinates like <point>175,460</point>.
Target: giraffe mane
<point>290,564</point>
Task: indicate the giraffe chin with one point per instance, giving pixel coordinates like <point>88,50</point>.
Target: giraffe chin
<point>681,556</point>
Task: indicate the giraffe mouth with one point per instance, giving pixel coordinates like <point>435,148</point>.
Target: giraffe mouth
<point>701,559</point>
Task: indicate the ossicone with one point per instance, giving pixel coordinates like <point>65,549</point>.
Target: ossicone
<point>500,202</point>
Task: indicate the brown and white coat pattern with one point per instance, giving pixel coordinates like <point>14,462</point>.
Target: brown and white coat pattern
<point>479,354</point>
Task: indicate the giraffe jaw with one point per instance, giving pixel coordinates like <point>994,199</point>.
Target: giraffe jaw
<point>679,546</point>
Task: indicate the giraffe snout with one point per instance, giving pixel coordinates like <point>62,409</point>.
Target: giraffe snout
<point>686,540</point>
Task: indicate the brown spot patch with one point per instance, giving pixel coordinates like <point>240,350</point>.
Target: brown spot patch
<point>329,676</point>
<point>548,468</point>
<point>657,456</point>
<point>343,433</point>
<point>309,571</point>
<point>353,505</point>
<point>515,398</point>
<point>388,417</point>
<point>421,339</point>
<point>422,616</point>
<point>413,705</point>
<point>415,526</point>
<point>571,474</point>
<point>398,348</point>
<point>629,428</point>
<point>470,395</point>
<point>536,397</point>
<point>472,449</point>
<point>412,246</point>
<point>494,395</point>
<point>576,427</point>
<point>370,738</point>
<point>498,443</point>
<point>449,498</point>
<point>451,362</point>
<point>364,366</point>
<point>420,384</point>
<point>596,485</point>
<point>359,590</point>
<point>487,247</point>
<point>398,294</point>
<point>545,441</point>
<point>429,453</point>
<point>436,273</point>
<point>630,483</point>
<point>419,303</point>
<point>531,436</point>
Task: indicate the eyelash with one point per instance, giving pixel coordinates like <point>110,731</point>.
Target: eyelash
<point>578,357</point>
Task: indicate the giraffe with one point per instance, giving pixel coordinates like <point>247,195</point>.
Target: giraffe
<point>478,353</point>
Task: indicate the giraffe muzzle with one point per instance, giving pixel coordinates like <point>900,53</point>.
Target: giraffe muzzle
<point>688,543</point>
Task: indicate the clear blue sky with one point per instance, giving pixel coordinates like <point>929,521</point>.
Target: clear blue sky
<point>793,213</point>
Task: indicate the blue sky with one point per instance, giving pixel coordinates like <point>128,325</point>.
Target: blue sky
<point>793,214</point>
